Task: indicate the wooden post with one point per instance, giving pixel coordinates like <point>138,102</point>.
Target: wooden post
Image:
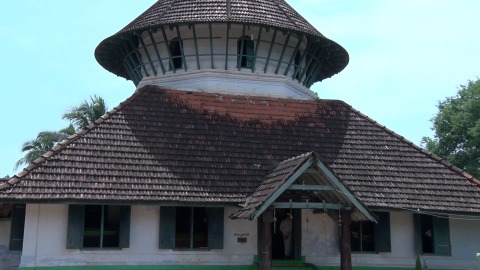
<point>345,244</point>
<point>266,248</point>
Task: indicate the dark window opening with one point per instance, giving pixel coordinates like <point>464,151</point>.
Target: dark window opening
<point>362,236</point>
<point>191,229</point>
<point>176,53</point>
<point>367,236</point>
<point>17,226</point>
<point>245,52</point>
<point>102,226</point>
<point>427,234</point>
<point>432,235</point>
<point>297,68</point>
<point>98,226</point>
<point>312,60</point>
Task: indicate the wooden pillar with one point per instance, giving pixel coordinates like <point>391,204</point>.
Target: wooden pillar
<point>266,247</point>
<point>345,244</point>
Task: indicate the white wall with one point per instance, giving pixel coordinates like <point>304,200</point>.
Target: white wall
<point>465,242</point>
<point>8,259</point>
<point>219,79</point>
<point>4,232</point>
<point>46,230</point>
<point>403,245</point>
<point>322,249</point>
<point>47,247</point>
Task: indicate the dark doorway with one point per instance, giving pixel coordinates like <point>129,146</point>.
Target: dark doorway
<point>286,230</point>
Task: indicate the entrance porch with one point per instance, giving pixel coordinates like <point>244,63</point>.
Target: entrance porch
<point>303,182</point>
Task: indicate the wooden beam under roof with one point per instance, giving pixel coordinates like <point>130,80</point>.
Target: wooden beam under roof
<point>309,205</point>
<point>311,187</point>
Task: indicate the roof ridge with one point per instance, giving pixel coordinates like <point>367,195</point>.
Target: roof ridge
<point>59,147</point>
<point>304,155</point>
<point>229,9</point>
<point>444,162</point>
<point>299,162</point>
<point>172,2</point>
<point>138,17</point>
<point>285,13</point>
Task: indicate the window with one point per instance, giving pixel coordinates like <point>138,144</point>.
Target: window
<point>245,52</point>
<point>102,226</point>
<point>176,53</point>
<point>432,235</point>
<point>98,226</point>
<point>362,236</point>
<point>17,227</point>
<point>367,236</point>
<point>191,228</point>
<point>311,62</point>
<point>297,70</point>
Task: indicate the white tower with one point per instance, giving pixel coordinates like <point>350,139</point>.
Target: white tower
<point>252,47</point>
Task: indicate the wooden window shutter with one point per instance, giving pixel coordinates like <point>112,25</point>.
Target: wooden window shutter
<point>17,227</point>
<point>382,233</point>
<point>417,226</point>
<point>215,227</point>
<point>124,237</point>
<point>441,234</point>
<point>76,224</point>
<point>167,227</point>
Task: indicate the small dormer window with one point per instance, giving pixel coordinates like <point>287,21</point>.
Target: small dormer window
<point>176,53</point>
<point>245,52</point>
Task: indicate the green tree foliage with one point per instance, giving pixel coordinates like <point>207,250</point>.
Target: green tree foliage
<point>457,129</point>
<point>80,116</point>
<point>35,148</point>
<point>87,112</point>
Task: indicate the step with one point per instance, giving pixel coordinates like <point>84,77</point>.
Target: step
<point>290,265</point>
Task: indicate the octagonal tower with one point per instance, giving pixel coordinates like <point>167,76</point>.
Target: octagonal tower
<point>253,47</point>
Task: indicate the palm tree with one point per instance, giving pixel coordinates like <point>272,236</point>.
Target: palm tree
<point>85,114</point>
<point>45,141</point>
<point>79,117</point>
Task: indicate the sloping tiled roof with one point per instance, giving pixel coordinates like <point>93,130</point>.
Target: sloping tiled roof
<point>271,13</point>
<point>272,181</point>
<point>175,146</point>
<point>265,12</point>
<point>306,172</point>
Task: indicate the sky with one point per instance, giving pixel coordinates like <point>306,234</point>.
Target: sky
<point>405,57</point>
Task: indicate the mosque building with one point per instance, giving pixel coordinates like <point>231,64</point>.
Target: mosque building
<point>223,157</point>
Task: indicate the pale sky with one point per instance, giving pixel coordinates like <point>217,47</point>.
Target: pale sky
<point>405,56</point>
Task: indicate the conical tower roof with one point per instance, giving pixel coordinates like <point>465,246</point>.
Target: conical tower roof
<point>267,13</point>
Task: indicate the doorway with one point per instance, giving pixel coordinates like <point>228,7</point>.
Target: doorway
<point>286,231</point>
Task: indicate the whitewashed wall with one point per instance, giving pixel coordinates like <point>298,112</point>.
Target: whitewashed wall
<point>8,259</point>
<point>46,235</point>
<point>4,232</point>
<point>46,230</point>
<point>322,249</point>
<point>218,79</point>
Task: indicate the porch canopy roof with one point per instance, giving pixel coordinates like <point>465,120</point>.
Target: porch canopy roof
<point>301,182</point>
<point>165,146</point>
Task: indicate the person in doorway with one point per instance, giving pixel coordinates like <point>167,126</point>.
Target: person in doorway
<point>286,229</point>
